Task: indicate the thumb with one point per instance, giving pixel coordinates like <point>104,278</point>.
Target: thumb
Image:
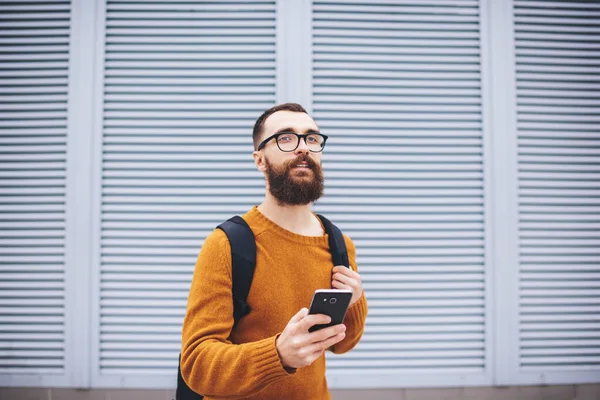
<point>299,315</point>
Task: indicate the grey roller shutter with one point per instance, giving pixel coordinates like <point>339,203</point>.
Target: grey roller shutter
<point>558,95</point>
<point>34,54</point>
<point>397,87</point>
<point>184,84</point>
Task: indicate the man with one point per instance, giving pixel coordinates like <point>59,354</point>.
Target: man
<point>270,353</point>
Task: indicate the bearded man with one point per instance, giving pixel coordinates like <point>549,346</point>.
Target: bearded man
<point>270,353</point>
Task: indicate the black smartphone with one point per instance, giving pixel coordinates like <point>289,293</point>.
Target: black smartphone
<point>332,302</point>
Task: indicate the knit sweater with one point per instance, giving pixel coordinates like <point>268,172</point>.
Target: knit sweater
<point>222,362</point>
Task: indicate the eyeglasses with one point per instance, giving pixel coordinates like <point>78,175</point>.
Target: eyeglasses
<point>289,141</point>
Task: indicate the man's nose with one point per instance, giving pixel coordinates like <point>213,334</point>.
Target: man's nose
<point>302,147</point>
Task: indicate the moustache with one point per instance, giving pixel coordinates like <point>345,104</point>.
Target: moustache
<point>302,159</point>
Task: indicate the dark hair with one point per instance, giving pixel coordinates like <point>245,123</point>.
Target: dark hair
<point>260,122</point>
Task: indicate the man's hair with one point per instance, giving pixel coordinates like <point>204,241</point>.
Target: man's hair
<point>260,122</point>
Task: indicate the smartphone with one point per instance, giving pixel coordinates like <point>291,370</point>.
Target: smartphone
<point>332,302</point>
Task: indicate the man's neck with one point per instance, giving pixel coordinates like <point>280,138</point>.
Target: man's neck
<point>296,219</point>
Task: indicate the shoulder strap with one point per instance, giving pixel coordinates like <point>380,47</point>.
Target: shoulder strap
<point>337,245</point>
<point>243,261</point>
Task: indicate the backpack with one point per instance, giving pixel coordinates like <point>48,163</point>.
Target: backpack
<point>243,261</point>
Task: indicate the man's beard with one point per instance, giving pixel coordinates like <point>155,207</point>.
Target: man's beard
<point>295,190</point>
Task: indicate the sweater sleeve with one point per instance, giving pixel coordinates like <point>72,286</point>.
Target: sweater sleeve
<point>357,313</point>
<point>210,364</point>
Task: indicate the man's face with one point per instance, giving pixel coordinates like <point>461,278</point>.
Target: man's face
<point>295,177</point>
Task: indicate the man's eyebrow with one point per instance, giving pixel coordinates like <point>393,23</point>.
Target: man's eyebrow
<point>293,130</point>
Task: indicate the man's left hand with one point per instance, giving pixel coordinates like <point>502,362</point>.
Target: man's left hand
<point>345,278</point>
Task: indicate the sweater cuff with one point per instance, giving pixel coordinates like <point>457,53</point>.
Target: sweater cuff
<point>357,312</point>
<point>265,360</point>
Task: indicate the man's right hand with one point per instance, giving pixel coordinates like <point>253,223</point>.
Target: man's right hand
<point>297,347</point>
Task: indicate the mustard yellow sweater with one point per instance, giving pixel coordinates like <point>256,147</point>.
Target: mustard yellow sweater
<point>243,364</point>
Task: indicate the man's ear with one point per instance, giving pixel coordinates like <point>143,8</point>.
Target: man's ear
<point>259,161</point>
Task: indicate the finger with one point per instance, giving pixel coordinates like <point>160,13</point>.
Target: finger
<point>345,279</point>
<point>326,333</point>
<point>313,319</point>
<point>340,285</point>
<point>346,271</point>
<point>332,341</point>
<point>323,345</point>
<point>340,268</point>
<point>299,315</point>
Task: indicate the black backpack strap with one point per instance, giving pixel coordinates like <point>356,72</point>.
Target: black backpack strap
<point>337,245</point>
<point>243,262</point>
<point>183,391</point>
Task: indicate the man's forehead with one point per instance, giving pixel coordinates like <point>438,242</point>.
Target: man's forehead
<point>289,119</point>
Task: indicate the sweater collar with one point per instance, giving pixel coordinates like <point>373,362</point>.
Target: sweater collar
<point>256,219</point>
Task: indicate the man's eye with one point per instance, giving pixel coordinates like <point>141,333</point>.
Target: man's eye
<point>285,138</point>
